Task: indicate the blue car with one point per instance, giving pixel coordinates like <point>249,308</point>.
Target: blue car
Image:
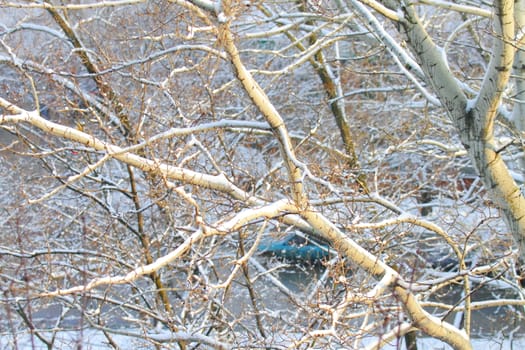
<point>295,248</point>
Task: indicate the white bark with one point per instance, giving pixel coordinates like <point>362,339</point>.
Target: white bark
<point>474,120</point>
<point>518,115</point>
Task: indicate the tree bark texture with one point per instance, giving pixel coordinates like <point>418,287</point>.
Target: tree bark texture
<point>474,119</point>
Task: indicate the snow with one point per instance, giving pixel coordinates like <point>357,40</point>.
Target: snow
<point>91,339</point>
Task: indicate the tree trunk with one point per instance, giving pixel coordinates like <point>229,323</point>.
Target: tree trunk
<point>474,119</point>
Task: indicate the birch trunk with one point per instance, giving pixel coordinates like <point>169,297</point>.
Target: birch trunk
<point>474,119</point>
<point>518,114</point>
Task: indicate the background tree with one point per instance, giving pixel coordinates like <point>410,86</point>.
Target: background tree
<point>152,147</point>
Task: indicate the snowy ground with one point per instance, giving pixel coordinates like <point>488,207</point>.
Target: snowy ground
<point>95,340</point>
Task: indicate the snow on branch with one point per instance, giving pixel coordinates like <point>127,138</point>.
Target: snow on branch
<point>93,5</point>
<point>240,219</point>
